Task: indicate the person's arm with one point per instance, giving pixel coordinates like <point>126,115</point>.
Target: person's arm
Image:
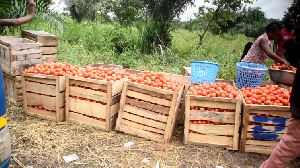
<point>265,47</point>
<point>275,47</point>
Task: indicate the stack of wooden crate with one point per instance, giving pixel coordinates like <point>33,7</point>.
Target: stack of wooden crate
<point>17,54</point>
<point>49,41</point>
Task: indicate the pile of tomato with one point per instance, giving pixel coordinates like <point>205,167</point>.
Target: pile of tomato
<point>215,90</point>
<point>268,95</point>
<point>282,67</point>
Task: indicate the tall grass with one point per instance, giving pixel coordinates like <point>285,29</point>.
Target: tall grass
<point>89,42</point>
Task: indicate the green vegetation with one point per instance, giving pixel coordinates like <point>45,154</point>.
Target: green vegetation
<point>90,42</point>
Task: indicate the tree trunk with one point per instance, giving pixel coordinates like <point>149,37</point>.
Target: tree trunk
<point>207,26</point>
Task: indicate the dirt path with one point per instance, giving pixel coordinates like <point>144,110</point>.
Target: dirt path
<point>42,143</point>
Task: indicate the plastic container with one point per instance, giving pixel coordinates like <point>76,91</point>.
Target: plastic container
<point>5,147</point>
<point>249,74</point>
<point>202,71</point>
<point>2,95</point>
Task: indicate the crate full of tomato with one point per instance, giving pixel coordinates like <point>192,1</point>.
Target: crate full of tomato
<point>44,90</point>
<point>212,115</point>
<point>93,96</point>
<point>265,117</point>
<point>149,106</point>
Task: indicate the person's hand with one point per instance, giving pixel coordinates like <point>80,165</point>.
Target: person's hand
<point>287,64</point>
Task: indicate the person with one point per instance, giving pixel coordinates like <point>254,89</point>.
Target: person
<point>261,48</point>
<point>288,147</point>
<point>247,47</point>
<point>284,35</point>
<point>291,48</point>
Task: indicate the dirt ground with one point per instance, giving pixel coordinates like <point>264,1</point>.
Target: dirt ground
<point>42,143</point>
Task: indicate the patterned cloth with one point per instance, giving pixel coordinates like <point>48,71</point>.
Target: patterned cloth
<point>256,54</point>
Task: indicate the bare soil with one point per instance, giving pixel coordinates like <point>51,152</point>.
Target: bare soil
<point>42,143</point>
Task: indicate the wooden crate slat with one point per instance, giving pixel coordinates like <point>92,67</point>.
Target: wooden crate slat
<point>268,120</point>
<point>213,129</point>
<point>49,58</point>
<point>282,114</point>
<point>81,119</point>
<point>265,136</point>
<point>260,149</point>
<point>45,38</point>
<point>114,109</point>
<point>91,85</point>
<point>42,100</point>
<point>49,50</point>
<point>117,86</point>
<point>44,114</point>
<point>211,139</point>
<point>40,88</point>
<point>145,113</point>
<point>160,92</point>
<point>148,122</point>
<point>141,133</point>
<point>269,107</point>
<point>89,108</point>
<point>274,129</point>
<point>149,98</point>
<point>41,80</point>
<point>89,80</point>
<point>148,106</point>
<point>88,94</point>
<point>219,100</point>
<point>212,104</point>
<point>271,144</point>
<point>143,127</point>
<point>221,117</point>
<point>167,96</point>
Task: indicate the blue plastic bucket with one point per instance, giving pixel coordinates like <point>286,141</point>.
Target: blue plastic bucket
<point>202,71</point>
<point>249,74</point>
<point>2,95</point>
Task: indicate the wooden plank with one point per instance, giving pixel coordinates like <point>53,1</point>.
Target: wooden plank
<point>41,114</point>
<point>271,129</point>
<point>91,85</point>
<point>213,129</point>
<point>269,107</point>
<point>149,98</point>
<point>237,124</point>
<point>83,120</point>
<point>49,58</point>
<point>244,129</point>
<point>67,98</point>
<point>4,53</point>
<point>262,150</point>
<point>143,127</point>
<point>172,116</point>
<point>283,114</point>
<point>148,106</point>
<point>117,87</point>
<point>89,80</point>
<point>213,103</point>
<point>122,104</point>
<point>114,109</point>
<point>117,67</point>
<point>186,71</point>
<point>186,80</point>
<point>89,108</point>
<point>40,36</point>
<point>145,113</point>
<point>145,121</point>
<point>210,139</point>
<point>115,99</point>
<point>88,94</point>
<point>258,144</point>
<point>221,117</point>
<point>108,108</point>
<point>41,100</point>
<point>141,133</point>
<point>150,88</point>
<point>25,55</point>
<point>41,78</point>
<point>269,120</point>
<point>49,90</point>
<point>187,120</point>
<point>49,50</point>
<point>150,92</point>
<point>61,83</point>
<point>265,136</point>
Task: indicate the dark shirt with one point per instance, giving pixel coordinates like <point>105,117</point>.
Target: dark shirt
<point>292,52</point>
<point>295,95</point>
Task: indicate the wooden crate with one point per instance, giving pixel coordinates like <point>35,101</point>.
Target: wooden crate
<point>268,124</point>
<point>186,71</point>
<point>93,102</point>
<point>224,132</point>
<point>47,92</point>
<point>148,112</point>
<point>49,41</point>
<point>13,89</point>
<point>17,54</point>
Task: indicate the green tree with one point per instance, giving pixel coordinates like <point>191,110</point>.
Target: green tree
<point>160,16</point>
<point>293,11</point>
<point>82,9</point>
<point>221,5</point>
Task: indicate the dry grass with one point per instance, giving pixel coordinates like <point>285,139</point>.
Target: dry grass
<point>42,143</point>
